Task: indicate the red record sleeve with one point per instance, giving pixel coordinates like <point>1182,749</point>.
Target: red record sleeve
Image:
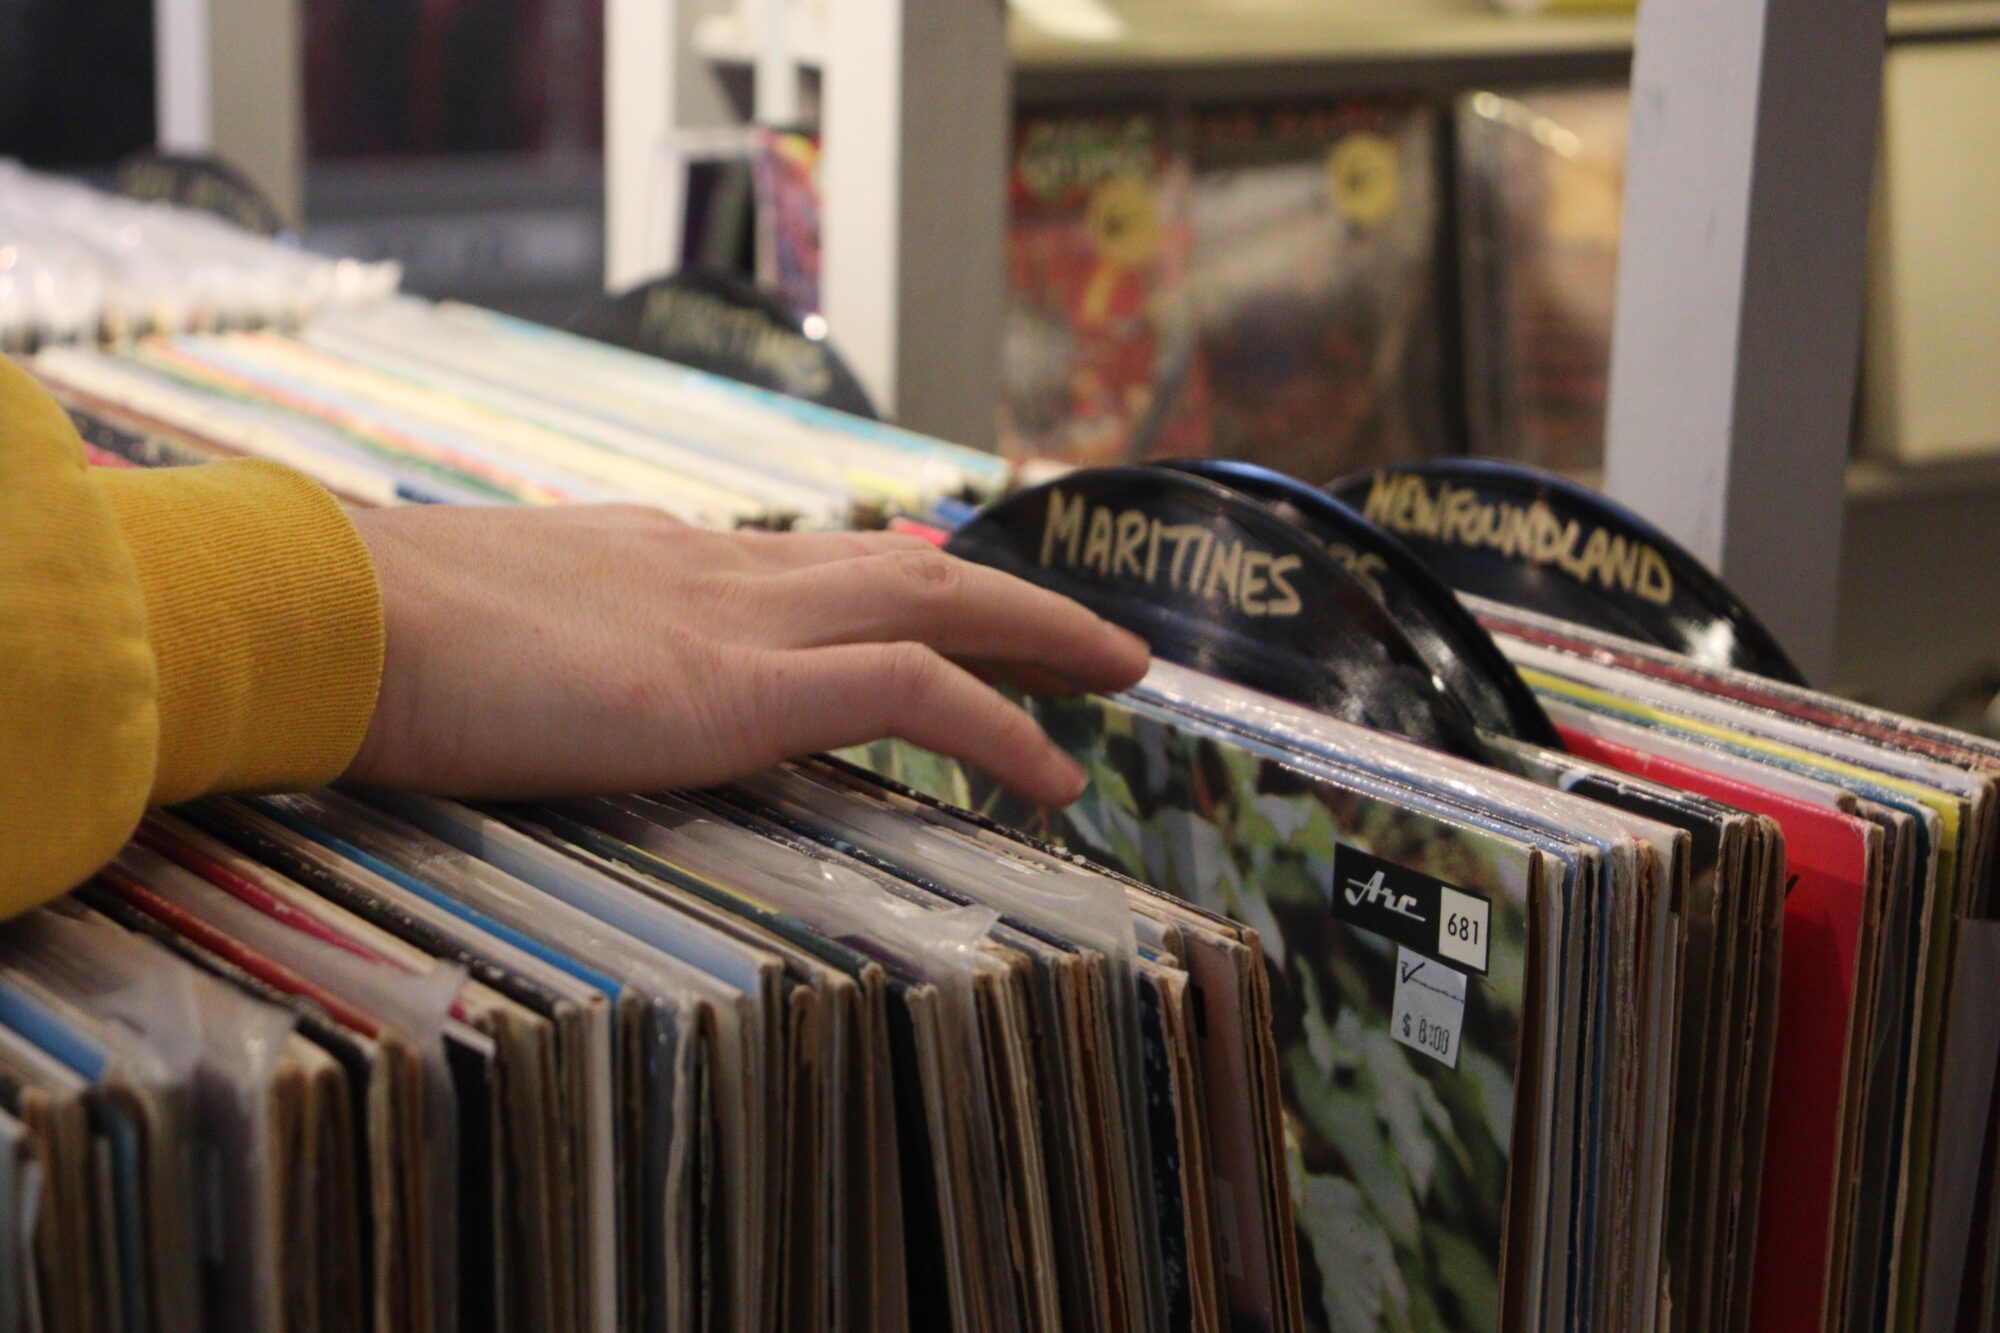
<point>235,951</point>
<point>252,894</point>
<point>1827,856</point>
<point>97,457</point>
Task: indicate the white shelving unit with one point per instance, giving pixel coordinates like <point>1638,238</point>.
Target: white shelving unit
<point>914,100</point>
<point>1738,336</point>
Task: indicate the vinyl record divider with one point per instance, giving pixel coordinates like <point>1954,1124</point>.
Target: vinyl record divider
<point>1219,582</point>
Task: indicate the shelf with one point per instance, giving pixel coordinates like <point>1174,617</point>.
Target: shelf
<point>724,39</point>
<point>1921,20</point>
<point>1277,37</point>
<point>1231,48</point>
<point>1267,32</point>
<point>1872,482</point>
<point>1276,48</point>
<point>1226,49</point>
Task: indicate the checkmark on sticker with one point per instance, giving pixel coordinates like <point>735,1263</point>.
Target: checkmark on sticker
<point>1429,1010</point>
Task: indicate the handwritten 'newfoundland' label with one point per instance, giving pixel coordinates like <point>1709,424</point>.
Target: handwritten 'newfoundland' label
<point>1188,558</point>
<point>1530,533</point>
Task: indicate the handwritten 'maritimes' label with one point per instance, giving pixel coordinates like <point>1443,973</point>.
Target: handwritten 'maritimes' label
<point>1188,558</point>
<point>1530,533</point>
<point>1366,567</point>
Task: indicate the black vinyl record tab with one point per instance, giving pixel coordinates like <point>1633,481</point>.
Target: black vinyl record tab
<point>1534,540</point>
<point>1437,624</point>
<point>201,182</point>
<point>1215,581</point>
<point>717,321</point>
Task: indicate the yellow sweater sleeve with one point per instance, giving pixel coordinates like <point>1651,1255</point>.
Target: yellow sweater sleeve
<point>163,634</point>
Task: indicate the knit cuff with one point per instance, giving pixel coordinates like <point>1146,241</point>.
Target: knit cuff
<point>265,622</point>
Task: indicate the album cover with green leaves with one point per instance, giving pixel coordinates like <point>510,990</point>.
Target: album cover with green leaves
<point>1397,941</point>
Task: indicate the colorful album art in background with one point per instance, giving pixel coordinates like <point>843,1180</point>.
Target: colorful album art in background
<point>1251,282</point>
<point>1399,1160</point>
<point>785,173</point>
<point>1312,283</point>
<point>1099,361</point>
<point>1541,183</point>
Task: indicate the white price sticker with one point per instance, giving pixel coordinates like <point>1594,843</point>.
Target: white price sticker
<point>1464,922</point>
<point>1429,1011</point>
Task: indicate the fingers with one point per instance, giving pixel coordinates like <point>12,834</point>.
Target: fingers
<point>814,699</point>
<point>958,608</point>
<point>774,552</point>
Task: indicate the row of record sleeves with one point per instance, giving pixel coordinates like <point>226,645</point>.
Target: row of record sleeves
<point>405,401</point>
<point>1656,996</point>
<point>800,1054</point>
<point>1748,1013</point>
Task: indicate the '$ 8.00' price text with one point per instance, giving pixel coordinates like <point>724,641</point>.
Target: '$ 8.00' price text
<point>1431,1036</point>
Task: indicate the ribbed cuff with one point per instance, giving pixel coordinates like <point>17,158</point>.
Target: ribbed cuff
<point>265,622</point>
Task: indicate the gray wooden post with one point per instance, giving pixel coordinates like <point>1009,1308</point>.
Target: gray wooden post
<point>230,81</point>
<point>913,175</point>
<point>1737,335</point>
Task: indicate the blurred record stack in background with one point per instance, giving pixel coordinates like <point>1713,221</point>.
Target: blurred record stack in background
<point>405,401</point>
<point>77,264</point>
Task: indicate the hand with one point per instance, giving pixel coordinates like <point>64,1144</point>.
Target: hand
<point>606,648</point>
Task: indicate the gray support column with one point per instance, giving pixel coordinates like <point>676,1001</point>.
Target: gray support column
<point>913,179</point>
<point>230,81</point>
<point>1737,337</point>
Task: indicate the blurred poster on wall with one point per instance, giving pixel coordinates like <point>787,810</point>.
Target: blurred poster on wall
<point>1246,282</point>
<point>1541,179</point>
<point>1100,363</point>
<point>785,172</point>
<point>1312,283</point>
